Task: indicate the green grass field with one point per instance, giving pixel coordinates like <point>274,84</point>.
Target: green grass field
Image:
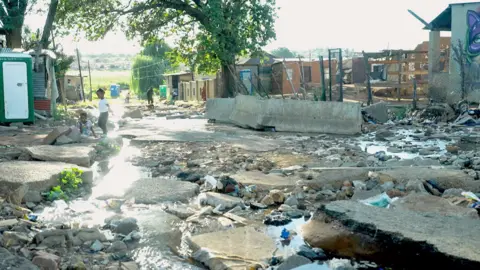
<point>105,78</point>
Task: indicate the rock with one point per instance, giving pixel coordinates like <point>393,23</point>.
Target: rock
<point>405,233</point>
<point>11,238</point>
<point>85,235</point>
<point>453,192</point>
<point>220,250</point>
<point>129,266</point>
<point>292,201</point>
<point>335,177</point>
<point>452,149</point>
<point>46,260</point>
<point>341,264</point>
<point>10,261</point>
<point>5,224</point>
<point>216,199</point>
<point>310,253</point>
<point>124,225</point>
<point>72,154</point>
<point>325,195</point>
<point>135,114</point>
<point>415,186</point>
<point>117,246</point>
<point>388,186</point>
<point>158,190</point>
<point>52,136</point>
<point>256,206</point>
<point>277,195</point>
<point>96,246</point>
<point>54,241</point>
<point>32,197</point>
<point>276,218</point>
<point>427,203</point>
<point>378,111</point>
<point>180,211</point>
<point>62,140</point>
<point>17,195</point>
<point>267,200</point>
<point>265,181</point>
<point>293,262</point>
<point>39,176</point>
<point>359,185</point>
<point>382,135</point>
<point>446,178</point>
<point>371,184</point>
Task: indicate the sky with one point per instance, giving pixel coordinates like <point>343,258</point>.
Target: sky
<point>369,25</point>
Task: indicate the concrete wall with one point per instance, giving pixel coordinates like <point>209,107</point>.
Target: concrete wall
<point>220,109</point>
<point>464,18</point>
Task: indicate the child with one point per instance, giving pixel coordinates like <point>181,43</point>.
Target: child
<point>85,126</point>
<point>104,108</point>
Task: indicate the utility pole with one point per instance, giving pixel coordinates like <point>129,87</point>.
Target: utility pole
<point>80,71</point>
<point>90,78</point>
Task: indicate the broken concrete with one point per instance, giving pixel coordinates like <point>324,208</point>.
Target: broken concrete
<point>445,178</point>
<point>336,177</point>
<point>78,155</point>
<point>235,249</point>
<point>52,136</point>
<point>378,111</point>
<point>426,203</point>
<point>38,176</point>
<point>247,112</point>
<point>222,200</point>
<point>265,181</point>
<point>448,242</point>
<point>158,190</point>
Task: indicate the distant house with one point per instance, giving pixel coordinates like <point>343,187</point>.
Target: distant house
<point>175,79</point>
<point>71,85</point>
<point>256,71</point>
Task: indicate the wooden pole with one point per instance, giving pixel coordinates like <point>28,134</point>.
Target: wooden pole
<point>367,74</point>
<point>90,78</point>
<point>302,78</point>
<point>81,77</point>
<point>399,75</point>
<point>340,66</point>
<point>329,75</point>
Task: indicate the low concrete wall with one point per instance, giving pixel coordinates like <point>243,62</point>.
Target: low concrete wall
<point>220,109</point>
<point>312,116</point>
<point>247,112</point>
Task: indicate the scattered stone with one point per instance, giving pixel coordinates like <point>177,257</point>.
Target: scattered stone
<point>277,195</point>
<point>46,260</point>
<point>11,238</point>
<point>182,212</point>
<point>96,246</point>
<point>415,186</point>
<point>359,185</point>
<point>32,197</point>
<point>10,261</point>
<point>134,114</point>
<point>341,264</point>
<point>117,246</point>
<point>158,190</point>
<point>52,136</point>
<point>216,199</point>
<point>276,218</point>
<point>4,224</point>
<point>314,254</point>
<point>124,226</point>
<point>267,200</point>
<point>453,192</point>
<point>256,206</point>
<point>382,135</point>
<point>292,201</point>
<point>293,262</point>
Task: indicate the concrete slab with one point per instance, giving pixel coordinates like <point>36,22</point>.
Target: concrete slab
<point>158,190</point>
<point>234,249</point>
<point>39,176</point>
<point>248,112</point>
<point>378,111</point>
<point>216,199</point>
<point>219,109</point>
<point>73,154</point>
<point>265,181</point>
<point>407,236</point>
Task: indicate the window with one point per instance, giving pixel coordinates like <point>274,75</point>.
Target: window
<point>307,74</point>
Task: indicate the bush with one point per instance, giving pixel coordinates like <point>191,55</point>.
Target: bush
<point>69,183</point>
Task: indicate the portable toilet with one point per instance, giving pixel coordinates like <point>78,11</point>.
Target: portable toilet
<point>16,88</point>
<point>163,91</point>
<point>114,90</point>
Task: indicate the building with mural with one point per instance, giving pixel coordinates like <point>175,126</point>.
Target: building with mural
<point>463,21</point>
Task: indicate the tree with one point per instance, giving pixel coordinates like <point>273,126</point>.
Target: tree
<point>12,17</point>
<point>211,33</point>
<point>284,52</point>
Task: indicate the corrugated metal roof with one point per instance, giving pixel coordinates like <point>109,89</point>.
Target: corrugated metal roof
<point>443,22</point>
<point>178,73</point>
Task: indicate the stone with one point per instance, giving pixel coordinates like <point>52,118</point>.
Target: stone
<point>292,201</point>
<point>313,254</point>
<point>415,186</point>
<point>124,225</point>
<point>5,224</point>
<point>325,195</point>
<point>117,246</point>
<point>158,190</point>
<point>265,181</point>
<point>129,266</point>
<point>72,154</point>
<point>388,186</point>
<point>220,250</point>
<point>216,199</point>
<point>46,260</point>
<point>276,218</point>
<point>371,184</point>
<point>180,211</point>
<point>54,241</point>
<point>267,200</point>
<point>451,240</point>
<point>378,112</point>
<point>452,148</point>
<point>52,136</point>
<point>85,235</point>
<point>341,264</point>
<point>134,114</point>
<point>17,195</point>
<point>365,194</point>
<point>335,177</point>
<point>293,262</point>
<point>427,203</point>
<point>382,135</point>
<point>97,246</point>
<point>39,176</point>
<point>10,261</point>
<point>62,140</point>
<point>452,192</point>
<point>11,238</point>
<point>32,197</point>
<point>277,195</point>
<point>359,185</point>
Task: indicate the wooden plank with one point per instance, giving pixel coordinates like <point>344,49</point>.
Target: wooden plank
<point>416,72</point>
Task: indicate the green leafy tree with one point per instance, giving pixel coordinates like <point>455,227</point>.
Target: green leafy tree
<point>211,33</point>
<point>283,52</point>
<point>12,17</point>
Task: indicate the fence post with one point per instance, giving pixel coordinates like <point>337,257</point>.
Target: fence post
<point>340,66</point>
<point>330,74</point>
<point>322,74</point>
<point>414,102</point>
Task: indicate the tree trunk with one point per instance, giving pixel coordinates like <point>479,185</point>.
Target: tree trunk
<point>14,38</point>
<point>47,29</point>
<point>228,81</point>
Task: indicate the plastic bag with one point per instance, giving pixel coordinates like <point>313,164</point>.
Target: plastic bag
<point>470,196</point>
<point>381,200</point>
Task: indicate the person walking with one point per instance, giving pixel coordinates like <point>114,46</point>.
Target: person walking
<point>150,96</point>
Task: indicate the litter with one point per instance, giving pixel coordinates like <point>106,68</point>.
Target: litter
<point>381,200</point>
<point>285,234</point>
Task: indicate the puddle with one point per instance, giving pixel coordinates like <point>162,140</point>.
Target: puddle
<point>287,248</point>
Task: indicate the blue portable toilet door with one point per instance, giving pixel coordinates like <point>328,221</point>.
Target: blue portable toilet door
<point>246,78</point>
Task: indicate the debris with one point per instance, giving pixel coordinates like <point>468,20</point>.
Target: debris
<point>96,246</point>
<point>277,219</point>
<point>382,200</point>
